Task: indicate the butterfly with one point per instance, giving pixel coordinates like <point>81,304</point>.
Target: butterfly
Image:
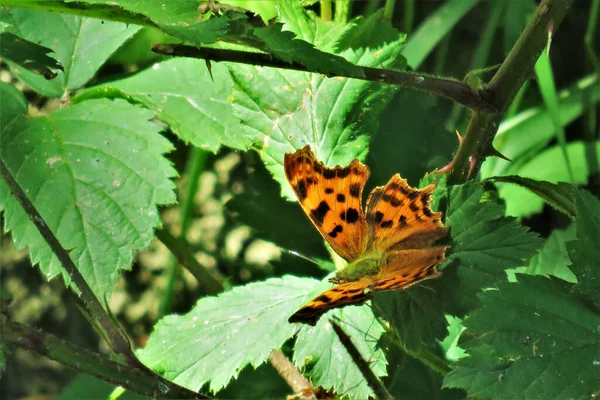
<point>388,246</point>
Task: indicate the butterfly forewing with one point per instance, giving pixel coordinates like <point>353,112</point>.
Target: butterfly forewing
<point>399,217</point>
<point>331,197</point>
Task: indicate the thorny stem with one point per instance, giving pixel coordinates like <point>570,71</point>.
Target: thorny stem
<point>290,373</point>
<point>126,376</point>
<point>451,89</point>
<point>501,90</point>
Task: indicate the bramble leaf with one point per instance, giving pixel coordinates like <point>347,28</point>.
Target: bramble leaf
<point>96,174</point>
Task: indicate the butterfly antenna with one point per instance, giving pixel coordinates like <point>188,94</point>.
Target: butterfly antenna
<point>295,253</point>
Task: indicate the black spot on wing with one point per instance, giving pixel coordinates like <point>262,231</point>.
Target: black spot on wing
<point>301,190</point>
<point>351,215</point>
<point>378,216</point>
<point>341,198</point>
<point>386,224</point>
<point>317,168</point>
<point>342,173</point>
<point>328,173</point>
<point>413,207</point>
<point>328,190</point>
<point>335,231</point>
<point>413,195</point>
<point>355,190</point>
<point>319,213</point>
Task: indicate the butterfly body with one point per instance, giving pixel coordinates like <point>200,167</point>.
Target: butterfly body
<point>388,246</point>
<point>366,265</point>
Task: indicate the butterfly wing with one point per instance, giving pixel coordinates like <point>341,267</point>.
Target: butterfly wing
<point>351,293</point>
<point>404,268</point>
<point>399,217</point>
<point>331,197</point>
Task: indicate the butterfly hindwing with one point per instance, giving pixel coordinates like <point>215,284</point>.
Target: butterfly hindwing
<point>399,217</point>
<point>331,197</point>
<point>338,296</point>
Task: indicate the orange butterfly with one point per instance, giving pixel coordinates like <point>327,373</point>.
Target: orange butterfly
<point>391,249</point>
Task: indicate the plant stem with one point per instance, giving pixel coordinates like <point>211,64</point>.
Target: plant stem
<point>372,380</point>
<point>512,74</point>
<point>409,15</point>
<point>82,360</point>
<point>180,249</point>
<point>451,89</point>
<point>117,341</point>
<point>326,13</point>
<point>388,11</point>
<point>290,373</point>
<point>342,11</point>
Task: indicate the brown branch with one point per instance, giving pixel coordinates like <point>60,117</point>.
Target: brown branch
<point>501,90</point>
<point>82,360</point>
<point>292,376</point>
<point>453,90</point>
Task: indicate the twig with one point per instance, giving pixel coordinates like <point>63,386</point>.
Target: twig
<point>98,365</point>
<point>453,90</point>
<point>372,380</point>
<point>181,250</point>
<point>512,74</point>
<point>290,373</point>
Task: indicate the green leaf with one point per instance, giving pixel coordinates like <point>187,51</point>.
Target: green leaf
<point>12,104</point>
<point>585,252</point>
<point>530,339</point>
<point>550,166</point>
<point>286,47</point>
<point>28,55</point>
<point>553,259</point>
<point>532,129</point>
<point>183,95</point>
<point>437,25</point>
<point>412,139</point>
<point>485,242</point>
<point>557,195</point>
<point>282,222</point>
<point>326,361</point>
<point>452,351</point>
<point>221,335</point>
<point>285,110</point>
<point>96,174</point>
<point>484,245</point>
<point>82,45</point>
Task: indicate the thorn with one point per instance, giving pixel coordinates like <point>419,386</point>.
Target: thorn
<point>209,67</point>
<point>460,138</point>
<point>471,166</point>
<point>496,153</point>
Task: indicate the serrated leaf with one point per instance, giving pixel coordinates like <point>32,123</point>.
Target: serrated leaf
<point>28,55</point>
<point>319,351</point>
<point>485,242</point>
<point>221,335</point>
<point>81,45</point>
<point>553,259</point>
<point>558,195</point>
<point>95,173</point>
<point>12,104</point>
<point>183,95</point>
<point>285,110</point>
<point>530,339</point>
<point>585,252</point>
<point>285,46</point>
